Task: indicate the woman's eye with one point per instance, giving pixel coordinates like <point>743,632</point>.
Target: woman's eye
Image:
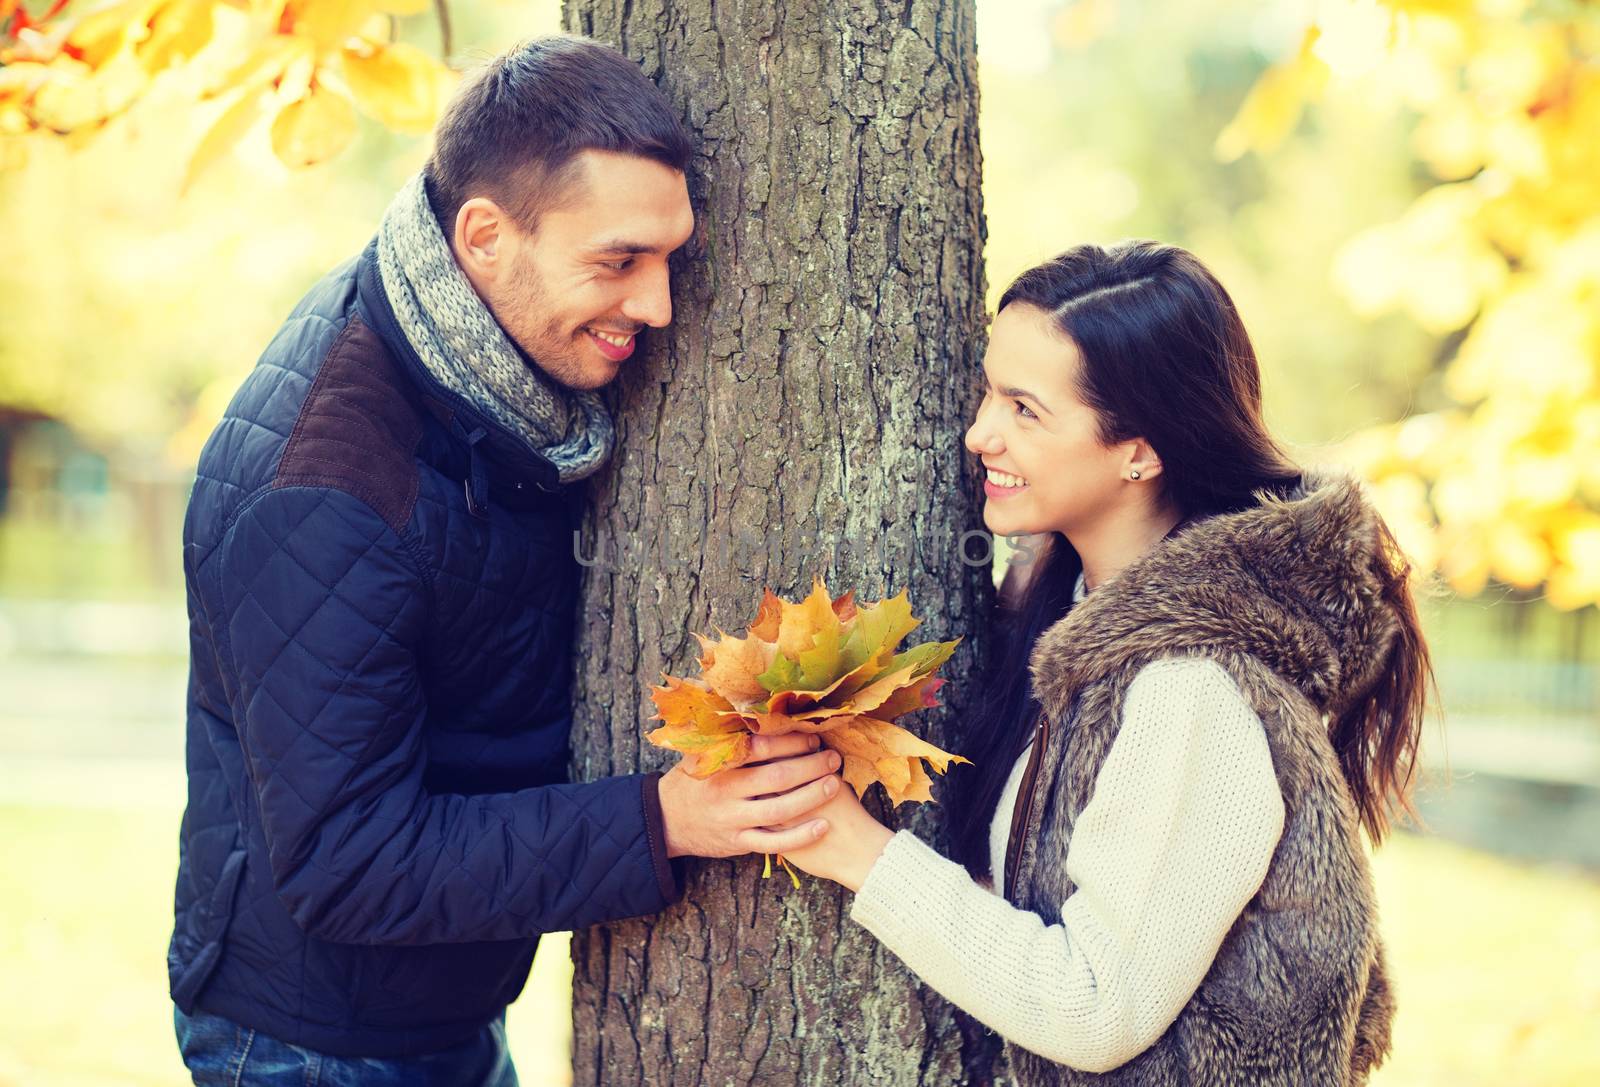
<point>1024,411</point>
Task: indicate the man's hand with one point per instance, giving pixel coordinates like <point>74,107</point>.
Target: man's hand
<point>726,814</point>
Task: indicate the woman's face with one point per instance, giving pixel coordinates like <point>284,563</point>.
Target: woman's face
<point>1047,469</point>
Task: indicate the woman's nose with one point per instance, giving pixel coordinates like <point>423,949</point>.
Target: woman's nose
<point>982,439</point>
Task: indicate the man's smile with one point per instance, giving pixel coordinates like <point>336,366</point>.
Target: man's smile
<point>615,346</point>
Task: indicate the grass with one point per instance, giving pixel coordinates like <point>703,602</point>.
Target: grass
<point>1496,967</point>
<point>1497,964</point>
<point>85,913</point>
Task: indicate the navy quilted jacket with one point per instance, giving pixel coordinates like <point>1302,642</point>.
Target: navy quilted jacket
<point>382,594</point>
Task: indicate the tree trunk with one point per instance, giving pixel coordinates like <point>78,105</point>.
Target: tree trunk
<point>803,415</point>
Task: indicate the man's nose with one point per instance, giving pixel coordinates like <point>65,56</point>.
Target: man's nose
<point>650,302</point>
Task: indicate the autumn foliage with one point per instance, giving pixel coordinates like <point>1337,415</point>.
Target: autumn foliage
<point>1493,476</point>
<point>825,666</point>
<point>309,65</point>
<point>1500,257</point>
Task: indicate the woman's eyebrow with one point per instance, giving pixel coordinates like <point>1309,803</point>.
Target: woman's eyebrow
<point>1014,392</point>
<point>1019,394</point>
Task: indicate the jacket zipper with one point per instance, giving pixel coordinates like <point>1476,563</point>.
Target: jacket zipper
<point>1022,811</point>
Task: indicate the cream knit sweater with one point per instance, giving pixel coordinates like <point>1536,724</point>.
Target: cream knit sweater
<point>1173,844</point>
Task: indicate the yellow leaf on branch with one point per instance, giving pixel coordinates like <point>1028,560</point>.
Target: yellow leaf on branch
<point>397,85</point>
<point>178,31</point>
<point>228,129</point>
<point>74,73</point>
<point>329,24</point>
<point>99,35</point>
<point>76,96</point>
<point>1273,107</point>
<point>266,61</point>
<point>313,128</point>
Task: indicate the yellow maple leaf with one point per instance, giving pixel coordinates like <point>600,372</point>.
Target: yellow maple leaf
<point>916,696</point>
<point>397,85</point>
<point>731,665</point>
<point>99,35</point>
<point>313,128</point>
<point>19,81</point>
<point>328,23</point>
<point>822,665</point>
<point>875,750</point>
<point>177,32</point>
<point>768,616</point>
<point>701,724</point>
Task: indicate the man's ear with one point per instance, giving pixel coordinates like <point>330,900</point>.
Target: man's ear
<point>1142,463</point>
<point>480,238</point>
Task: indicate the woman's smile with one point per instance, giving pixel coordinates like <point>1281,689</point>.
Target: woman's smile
<point>1000,485</point>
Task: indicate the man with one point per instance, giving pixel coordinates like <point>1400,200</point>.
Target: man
<point>382,595</point>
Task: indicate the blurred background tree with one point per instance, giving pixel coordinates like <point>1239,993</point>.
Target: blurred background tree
<point>1405,201</point>
<point>1498,475</point>
<point>1401,197</point>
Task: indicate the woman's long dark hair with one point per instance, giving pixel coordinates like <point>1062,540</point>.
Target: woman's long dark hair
<point>1166,358</point>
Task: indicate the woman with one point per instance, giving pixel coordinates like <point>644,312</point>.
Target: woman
<point>1161,871</point>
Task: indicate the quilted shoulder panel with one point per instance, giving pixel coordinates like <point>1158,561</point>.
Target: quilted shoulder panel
<point>358,428</point>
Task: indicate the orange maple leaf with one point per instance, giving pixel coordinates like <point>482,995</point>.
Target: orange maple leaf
<point>824,665</point>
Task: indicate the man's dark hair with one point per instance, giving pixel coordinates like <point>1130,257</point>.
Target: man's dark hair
<point>515,127</point>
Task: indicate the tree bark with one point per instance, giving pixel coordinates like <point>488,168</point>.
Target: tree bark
<point>803,415</point>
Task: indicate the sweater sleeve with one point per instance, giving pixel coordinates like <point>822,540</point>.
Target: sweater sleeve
<point>1175,841</point>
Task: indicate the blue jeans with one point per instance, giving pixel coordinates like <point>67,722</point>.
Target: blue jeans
<point>221,1053</point>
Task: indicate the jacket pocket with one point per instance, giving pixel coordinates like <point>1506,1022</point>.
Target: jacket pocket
<point>214,919</point>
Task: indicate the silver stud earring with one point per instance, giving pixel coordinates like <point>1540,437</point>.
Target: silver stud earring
<point>1134,474</point>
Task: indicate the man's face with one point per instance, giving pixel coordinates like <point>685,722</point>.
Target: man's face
<point>578,288</point>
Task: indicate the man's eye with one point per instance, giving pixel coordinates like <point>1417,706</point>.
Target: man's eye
<point>618,265</point>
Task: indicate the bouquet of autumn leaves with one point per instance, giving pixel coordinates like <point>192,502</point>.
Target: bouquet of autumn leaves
<point>826,666</point>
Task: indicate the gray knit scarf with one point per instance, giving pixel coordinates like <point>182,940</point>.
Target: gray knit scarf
<point>466,350</point>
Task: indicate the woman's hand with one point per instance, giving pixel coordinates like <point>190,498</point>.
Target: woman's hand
<point>851,846</point>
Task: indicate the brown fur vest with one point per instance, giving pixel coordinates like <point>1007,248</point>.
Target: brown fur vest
<point>1285,597</point>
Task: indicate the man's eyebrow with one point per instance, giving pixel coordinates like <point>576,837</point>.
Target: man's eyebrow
<point>623,246</point>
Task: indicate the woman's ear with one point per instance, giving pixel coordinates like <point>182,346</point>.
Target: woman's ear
<point>1142,463</point>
